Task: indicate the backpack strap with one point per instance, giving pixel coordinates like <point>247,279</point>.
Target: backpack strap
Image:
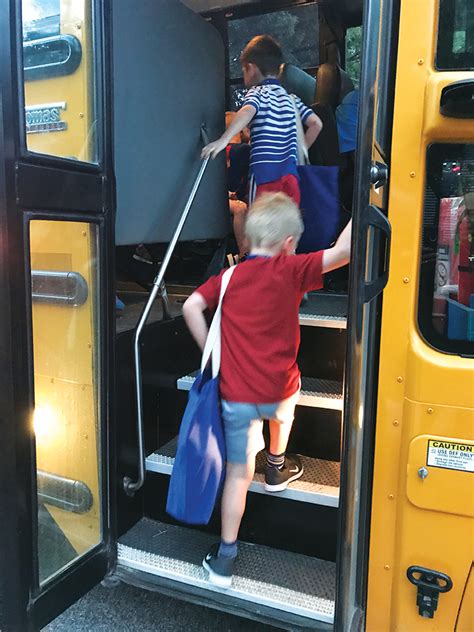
<point>302,148</point>
<point>213,341</point>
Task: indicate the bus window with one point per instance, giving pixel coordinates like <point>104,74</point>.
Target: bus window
<point>455,35</point>
<point>66,385</point>
<point>446,297</point>
<point>295,28</point>
<point>58,72</point>
<point>353,53</point>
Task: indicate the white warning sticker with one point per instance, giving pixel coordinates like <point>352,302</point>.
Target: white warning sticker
<point>451,455</point>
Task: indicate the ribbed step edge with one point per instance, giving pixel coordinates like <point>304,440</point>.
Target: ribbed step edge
<point>318,485</point>
<point>318,320</point>
<point>312,577</point>
<point>315,392</point>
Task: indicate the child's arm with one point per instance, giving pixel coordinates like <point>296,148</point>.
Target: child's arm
<point>314,125</point>
<point>340,253</point>
<point>193,313</point>
<point>241,121</point>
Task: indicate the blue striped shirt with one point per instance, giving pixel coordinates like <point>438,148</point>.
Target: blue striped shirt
<point>273,143</point>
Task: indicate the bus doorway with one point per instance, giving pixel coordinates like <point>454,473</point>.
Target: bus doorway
<point>92,402</point>
<point>168,99</point>
<point>297,531</point>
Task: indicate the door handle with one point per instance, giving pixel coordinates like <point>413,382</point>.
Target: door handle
<point>378,174</point>
<point>457,99</point>
<point>374,217</point>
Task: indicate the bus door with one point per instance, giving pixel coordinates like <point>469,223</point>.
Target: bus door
<point>369,275</point>
<point>56,228</point>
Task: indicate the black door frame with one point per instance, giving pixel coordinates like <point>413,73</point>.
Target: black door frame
<point>82,192</point>
<point>368,276</point>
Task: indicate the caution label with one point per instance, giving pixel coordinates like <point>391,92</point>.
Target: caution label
<point>450,455</point>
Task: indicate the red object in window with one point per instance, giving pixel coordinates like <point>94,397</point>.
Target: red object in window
<point>466,265</point>
<point>447,258</point>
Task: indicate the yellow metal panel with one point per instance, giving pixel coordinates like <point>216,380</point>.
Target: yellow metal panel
<point>437,377</point>
<point>421,391</point>
<point>465,622</point>
<point>435,124</point>
<point>443,489</point>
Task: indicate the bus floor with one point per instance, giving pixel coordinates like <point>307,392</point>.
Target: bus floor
<point>134,298</point>
<point>127,608</point>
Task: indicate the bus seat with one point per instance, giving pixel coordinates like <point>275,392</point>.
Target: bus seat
<point>332,85</point>
<point>168,79</point>
<point>325,151</point>
<point>299,82</point>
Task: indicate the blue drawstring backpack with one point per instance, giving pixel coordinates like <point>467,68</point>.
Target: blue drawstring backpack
<point>320,204</point>
<point>199,466</point>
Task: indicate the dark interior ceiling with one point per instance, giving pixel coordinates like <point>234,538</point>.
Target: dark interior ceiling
<point>349,11</point>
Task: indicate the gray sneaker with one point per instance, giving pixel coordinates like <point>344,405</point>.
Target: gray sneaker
<point>277,479</point>
<point>220,568</point>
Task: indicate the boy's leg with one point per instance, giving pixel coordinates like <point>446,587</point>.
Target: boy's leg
<point>243,438</point>
<point>237,481</point>
<point>279,436</point>
<point>281,469</point>
<point>238,210</point>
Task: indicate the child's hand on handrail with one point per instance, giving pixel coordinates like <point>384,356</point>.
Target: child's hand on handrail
<point>213,149</point>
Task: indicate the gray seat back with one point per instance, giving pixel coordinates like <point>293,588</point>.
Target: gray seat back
<point>168,80</point>
<point>299,82</point>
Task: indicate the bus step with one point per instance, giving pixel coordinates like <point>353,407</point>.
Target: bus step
<point>324,310</point>
<point>266,581</point>
<point>315,392</point>
<point>319,484</point>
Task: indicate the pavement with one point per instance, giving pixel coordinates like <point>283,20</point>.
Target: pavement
<point>129,609</point>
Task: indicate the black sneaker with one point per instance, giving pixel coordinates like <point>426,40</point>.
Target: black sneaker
<point>220,568</point>
<point>277,479</point>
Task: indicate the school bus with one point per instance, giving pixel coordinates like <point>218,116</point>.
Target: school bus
<point>104,108</point>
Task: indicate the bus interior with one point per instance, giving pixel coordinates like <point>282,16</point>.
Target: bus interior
<point>175,73</point>
<point>298,528</point>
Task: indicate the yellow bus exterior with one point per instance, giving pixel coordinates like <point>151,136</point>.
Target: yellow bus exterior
<point>424,394</point>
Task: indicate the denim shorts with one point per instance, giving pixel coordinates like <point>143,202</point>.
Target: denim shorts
<point>243,425</point>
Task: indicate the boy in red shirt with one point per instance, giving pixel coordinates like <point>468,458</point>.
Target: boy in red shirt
<point>260,335</point>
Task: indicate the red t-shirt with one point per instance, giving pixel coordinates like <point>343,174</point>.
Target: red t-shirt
<point>260,331</point>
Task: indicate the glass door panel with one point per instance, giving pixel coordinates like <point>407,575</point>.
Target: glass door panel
<point>66,421</point>
<point>59,81</point>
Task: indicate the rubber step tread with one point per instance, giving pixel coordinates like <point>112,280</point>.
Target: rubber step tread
<point>319,484</point>
<point>324,310</point>
<point>315,392</point>
<point>299,584</point>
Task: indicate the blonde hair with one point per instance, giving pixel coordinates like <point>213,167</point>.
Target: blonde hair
<point>272,218</point>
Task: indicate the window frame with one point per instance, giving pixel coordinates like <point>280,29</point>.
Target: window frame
<point>220,20</point>
<point>426,271</point>
<point>101,102</point>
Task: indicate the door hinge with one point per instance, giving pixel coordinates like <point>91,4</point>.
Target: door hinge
<point>430,584</point>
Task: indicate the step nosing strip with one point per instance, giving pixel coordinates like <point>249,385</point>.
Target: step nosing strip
<point>320,493</point>
<point>314,615</point>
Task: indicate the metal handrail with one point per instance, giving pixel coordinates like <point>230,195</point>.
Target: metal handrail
<point>129,485</point>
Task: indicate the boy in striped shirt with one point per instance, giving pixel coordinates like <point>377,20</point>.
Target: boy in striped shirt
<point>269,111</point>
